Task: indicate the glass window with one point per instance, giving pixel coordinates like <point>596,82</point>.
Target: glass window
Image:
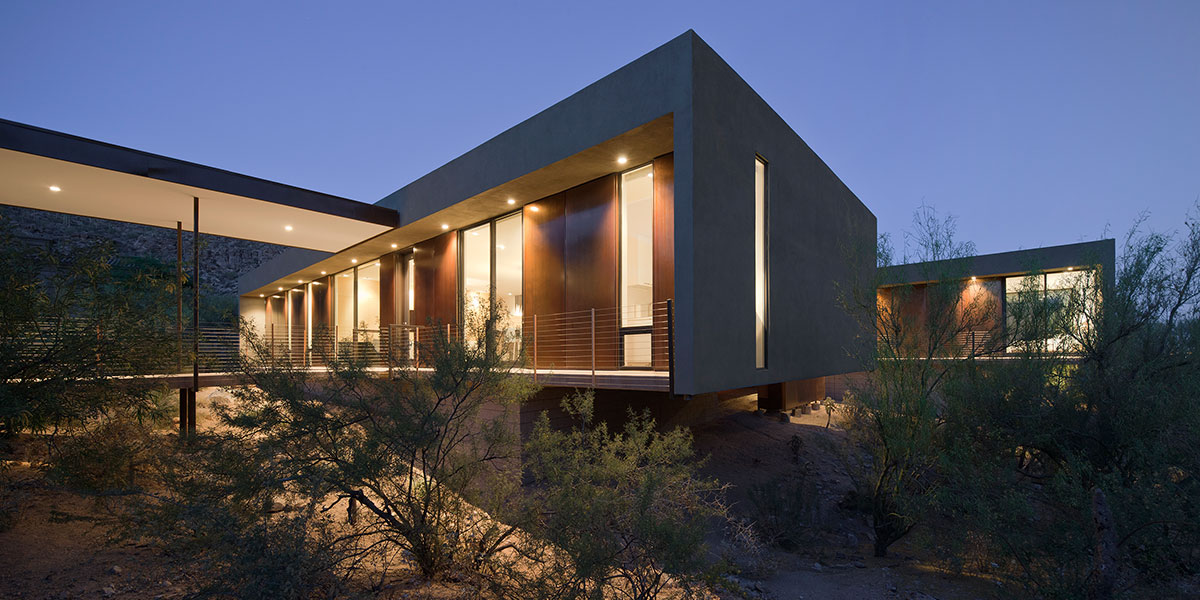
<point>760,263</point>
<point>368,303</point>
<point>477,270</point>
<point>509,249</point>
<point>343,305</point>
<point>410,286</point>
<point>637,246</point>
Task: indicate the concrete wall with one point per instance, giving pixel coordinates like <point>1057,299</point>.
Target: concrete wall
<point>813,221</point>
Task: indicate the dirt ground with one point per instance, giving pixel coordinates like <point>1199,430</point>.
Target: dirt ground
<point>57,549</point>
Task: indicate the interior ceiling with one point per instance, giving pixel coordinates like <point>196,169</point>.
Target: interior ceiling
<point>26,179</point>
<point>639,146</point>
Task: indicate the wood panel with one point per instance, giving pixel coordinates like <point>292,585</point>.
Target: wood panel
<point>544,277</point>
<point>445,301</point>
<point>322,318</point>
<point>388,310</point>
<point>436,296</point>
<point>591,271</point>
<point>664,251</point>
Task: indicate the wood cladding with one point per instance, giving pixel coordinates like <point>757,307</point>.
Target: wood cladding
<point>387,291</point>
<point>437,280</point>
<point>544,277</point>
<point>664,250</point>
<point>591,265</point>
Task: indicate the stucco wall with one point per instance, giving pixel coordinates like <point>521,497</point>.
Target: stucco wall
<point>813,221</point>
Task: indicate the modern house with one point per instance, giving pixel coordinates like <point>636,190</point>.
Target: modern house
<point>662,229</point>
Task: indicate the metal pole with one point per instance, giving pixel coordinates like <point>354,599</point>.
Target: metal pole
<point>179,294</point>
<point>593,347</point>
<point>195,315</point>
<point>535,348</point>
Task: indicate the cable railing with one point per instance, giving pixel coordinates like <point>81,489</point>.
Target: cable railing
<point>626,347</point>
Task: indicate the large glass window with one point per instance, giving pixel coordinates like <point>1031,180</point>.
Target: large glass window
<point>637,246</point>
<point>343,305</point>
<point>477,271</point>
<point>760,263</point>
<point>368,303</point>
<point>637,264</point>
<point>410,288</point>
<point>508,251</point>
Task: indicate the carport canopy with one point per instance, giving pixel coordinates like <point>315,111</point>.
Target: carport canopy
<point>53,171</point>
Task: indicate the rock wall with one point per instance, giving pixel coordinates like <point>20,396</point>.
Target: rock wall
<point>222,259</point>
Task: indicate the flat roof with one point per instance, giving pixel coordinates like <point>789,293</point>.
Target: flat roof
<point>59,172</point>
<point>1006,264</point>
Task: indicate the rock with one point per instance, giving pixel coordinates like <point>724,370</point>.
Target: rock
<point>817,567</point>
<point>783,417</point>
<point>858,564</point>
<point>109,591</point>
<point>852,541</point>
<point>115,570</point>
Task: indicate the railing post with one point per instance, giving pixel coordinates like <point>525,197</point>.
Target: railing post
<point>670,347</point>
<point>593,347</point>
<point>535,348</point>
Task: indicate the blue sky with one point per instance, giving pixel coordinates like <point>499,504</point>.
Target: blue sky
<point>1033,123</point>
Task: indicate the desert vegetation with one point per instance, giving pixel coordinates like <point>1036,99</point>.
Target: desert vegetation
<point>1046,473</point>
<point>1060,456</point>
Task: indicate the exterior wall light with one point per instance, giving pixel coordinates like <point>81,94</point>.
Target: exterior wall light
<point>533,208</point>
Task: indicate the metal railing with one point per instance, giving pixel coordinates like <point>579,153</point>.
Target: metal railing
<point>627,348</point>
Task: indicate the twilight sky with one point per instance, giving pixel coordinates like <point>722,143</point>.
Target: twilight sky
<point>1034,125</point>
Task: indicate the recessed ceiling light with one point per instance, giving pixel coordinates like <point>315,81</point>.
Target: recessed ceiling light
<point>287,227</point>
<point>276,296</point>
<point>622,160</point>
<point>1070,268</point>
<point>299,281</point>
<point>972,279</point>
<point>395,245</point>
<point>322,272</point>
<point>533,208</point>
<point>511,201</point>
<point>345,274</point>
<point>354,261</point>
<point>261,295</point>
<point>445,226</point>
<point>55,188</point>
<point>281,289</point>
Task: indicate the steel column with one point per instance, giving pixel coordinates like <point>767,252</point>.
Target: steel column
<point>195,315</point>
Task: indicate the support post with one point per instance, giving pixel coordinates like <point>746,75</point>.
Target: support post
<point>179,295</point>
<point>195,316</point>
<point>535,348</point>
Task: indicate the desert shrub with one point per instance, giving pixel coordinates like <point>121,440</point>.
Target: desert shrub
<point>1067,468</point>
<point>427,457</point>
<point>110,454</point>
<point>785,510</point>
<point>70,325</point>
<point>215,506</point>
<point>620,514</point>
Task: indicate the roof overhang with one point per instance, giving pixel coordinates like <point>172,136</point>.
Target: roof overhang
<point>638,146</point>
<point>1100,253</point>
<point>95,179</point>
